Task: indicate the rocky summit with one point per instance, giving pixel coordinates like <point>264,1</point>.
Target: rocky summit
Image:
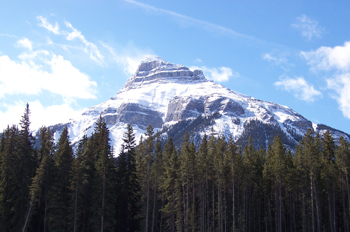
<point>176,100</point>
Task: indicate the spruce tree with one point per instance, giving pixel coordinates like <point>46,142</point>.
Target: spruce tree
<point>342,155</point>
<point>169,185</point>
<point>104,191</point>
<point>188,175</point>
<point>202,168</point>
<point>36,215</point>
<point>157,175</point>
<point>9,188</point>
<point>129,187</point>
<point>146,154</point>
<point>60,194</point>
<point>27,164</point>
<point>330,177</point>
<point>278,167</point>
<point>233,163</point>
<point>83,174</point>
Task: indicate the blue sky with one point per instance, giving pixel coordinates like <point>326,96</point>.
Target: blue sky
<point>64,56</point>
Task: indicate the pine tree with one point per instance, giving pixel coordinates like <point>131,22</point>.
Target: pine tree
<point>60,194</point>
<point>41,183</point>
<point>233,163</point>
<point>129,194</point>
<point>330,176</point>
<point>220,169</point>
<point>79,178</point>
<point>83,174</point>
<point>25,171</point>
<point>169,185</point>
<point>104,188</point>
<point>308,162</point>
<point>9,189</point>
<point>203,195</point>
<point>148,158</point>
<point>157,171</point>
<point>342,156</point>
<point>278,167</point>
<point>188,175</point>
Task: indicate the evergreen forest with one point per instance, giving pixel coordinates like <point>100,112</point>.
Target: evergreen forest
<point>220,186</point>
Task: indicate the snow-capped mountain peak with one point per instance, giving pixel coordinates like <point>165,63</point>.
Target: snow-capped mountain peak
<point>176,100</point>
<point>154,68</point>
<point>152,58</point>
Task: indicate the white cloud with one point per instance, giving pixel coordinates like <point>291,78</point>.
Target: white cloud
<point>341,85</point>
<point>45,24</point>
<point>42,70</point>
<point>327,58</point>
<point>336,62</point>
<point>300,87</point>
<point>220,74</point>
<point>278,59</point>
<point>308,28</point>
<point>40,115</point>
<point>25,43</point>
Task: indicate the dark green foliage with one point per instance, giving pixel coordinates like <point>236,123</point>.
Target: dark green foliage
<point>103,190</point>
<point>9,189</point>
<point>265,133</point>
<point>128,185</point>
<point>60,192</point>
<point>18,165</point>
<point>41,184</point>
<point>27,164</point>
<point>169,185</point>
<point>222,186</point>
<point>177,131</point>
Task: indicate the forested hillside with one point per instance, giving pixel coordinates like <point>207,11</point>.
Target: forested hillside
<point>221,186</point>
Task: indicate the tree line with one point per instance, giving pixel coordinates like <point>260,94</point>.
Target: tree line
<point>221,186</point>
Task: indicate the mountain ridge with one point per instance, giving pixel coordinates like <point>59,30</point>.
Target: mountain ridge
<point>174,99</point>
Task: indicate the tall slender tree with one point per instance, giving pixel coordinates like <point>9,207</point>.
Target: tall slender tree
<point>169,185</point>
<point>27,164</point>
<point>41,184</point>
<point>60,194</point>
<point>129,194</point>
<point>104,190</point>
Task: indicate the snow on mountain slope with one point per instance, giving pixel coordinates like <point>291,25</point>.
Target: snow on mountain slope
<point>174,99</point>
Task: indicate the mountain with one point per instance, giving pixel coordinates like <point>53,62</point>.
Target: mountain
<point>174,99</point>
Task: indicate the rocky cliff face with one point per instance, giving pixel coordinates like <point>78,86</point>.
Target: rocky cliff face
<point>174,99</point>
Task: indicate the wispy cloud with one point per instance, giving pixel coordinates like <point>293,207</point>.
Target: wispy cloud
<point>129,60</point>
<point>300,88</point>
<point>90,48</point>
<point>8,35</point>
<point>45,24</point>
<point>220,74</point>
<point>25,43</point>
<point>189,21</point>
<point>308,28</point>
<point>278,59</point>
<point>336,62</point>
<point>74,34</point>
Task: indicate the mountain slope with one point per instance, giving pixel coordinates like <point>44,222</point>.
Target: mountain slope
<point>174,99</point>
